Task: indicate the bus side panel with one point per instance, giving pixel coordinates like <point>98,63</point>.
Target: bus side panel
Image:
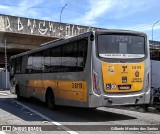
<point>68,91</point>
<point>21,83</point>
<point>95,95</point>
<point>71,93</point>
<point>71,88</point>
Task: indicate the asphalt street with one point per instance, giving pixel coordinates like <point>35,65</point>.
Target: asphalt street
<point>30,116</point>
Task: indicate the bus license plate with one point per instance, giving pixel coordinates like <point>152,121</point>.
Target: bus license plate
<point>124,87</point>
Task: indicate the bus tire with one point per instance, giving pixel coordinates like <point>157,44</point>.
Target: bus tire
<point>50,99</point>
<point>145,107</point>
<point>19,98</point>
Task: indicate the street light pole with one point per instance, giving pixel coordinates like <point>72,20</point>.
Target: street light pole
<point>152,28</point>
<point>62,11</point>
<point>152,91</point>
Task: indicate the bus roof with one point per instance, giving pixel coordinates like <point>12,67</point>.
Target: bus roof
<point>52,43</point>
<point>73,38</point>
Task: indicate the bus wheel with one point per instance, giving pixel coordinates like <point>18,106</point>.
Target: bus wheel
<point>50,100</point>
<point>19,98</point>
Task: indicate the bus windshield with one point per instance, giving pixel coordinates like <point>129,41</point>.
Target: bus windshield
<point>121,46</point>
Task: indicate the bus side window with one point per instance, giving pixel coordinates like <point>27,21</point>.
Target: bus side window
<point>46,61</point>
<point>18,65</point>
<point>82,54</point>
<point>56,59</point>
<point>24,64</point>
<point>29,66</point>
<point>37,62</point>
<point>69,57</point>
<point>75,51</point>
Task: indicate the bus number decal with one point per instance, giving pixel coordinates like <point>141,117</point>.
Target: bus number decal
<point>76,85</point>
<point>136,67</point>
<point>121,38</point>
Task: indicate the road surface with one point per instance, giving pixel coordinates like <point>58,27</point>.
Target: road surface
<point>30,116</point>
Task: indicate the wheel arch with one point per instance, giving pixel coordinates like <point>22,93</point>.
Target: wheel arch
<point>16,88</point>
<point>50,99</point>
<point>47,91</point>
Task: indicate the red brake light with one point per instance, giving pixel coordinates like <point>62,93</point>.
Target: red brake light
<point>95,81</point>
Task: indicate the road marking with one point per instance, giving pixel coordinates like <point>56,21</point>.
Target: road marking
<point>3,94</point>
<point>48,119</point>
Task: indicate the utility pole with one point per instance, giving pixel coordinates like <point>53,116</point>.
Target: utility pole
<point>152,28</point>
<point>60,19</point>
<point>6,63</point>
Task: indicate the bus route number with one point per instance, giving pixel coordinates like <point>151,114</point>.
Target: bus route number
<point>121,38</point>
<point>76,85</point>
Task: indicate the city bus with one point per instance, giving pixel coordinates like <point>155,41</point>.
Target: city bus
<point>95,69</point>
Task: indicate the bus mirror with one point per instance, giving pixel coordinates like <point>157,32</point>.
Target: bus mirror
<point>91,37</point>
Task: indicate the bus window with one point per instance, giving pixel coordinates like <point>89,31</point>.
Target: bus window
<point>24,64</point>
<point>37,62</point>
<point>56,59</point>
<point>29,64</point>
<point>18,65</point>
<point>82,54</point>
<point>121,46</point>
<point>69,57</point>
<point>46,61</point>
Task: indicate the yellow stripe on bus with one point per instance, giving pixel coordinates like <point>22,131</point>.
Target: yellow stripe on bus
<point>71,90</point>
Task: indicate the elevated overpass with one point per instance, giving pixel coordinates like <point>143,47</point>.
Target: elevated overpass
<point>21,34</point>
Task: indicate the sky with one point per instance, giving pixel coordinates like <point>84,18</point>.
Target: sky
<point>138,15</point>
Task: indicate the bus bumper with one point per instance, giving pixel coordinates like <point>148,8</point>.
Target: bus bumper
<point>134,99</point>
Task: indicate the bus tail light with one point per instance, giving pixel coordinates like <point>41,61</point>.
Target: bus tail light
<point>96,81</point>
